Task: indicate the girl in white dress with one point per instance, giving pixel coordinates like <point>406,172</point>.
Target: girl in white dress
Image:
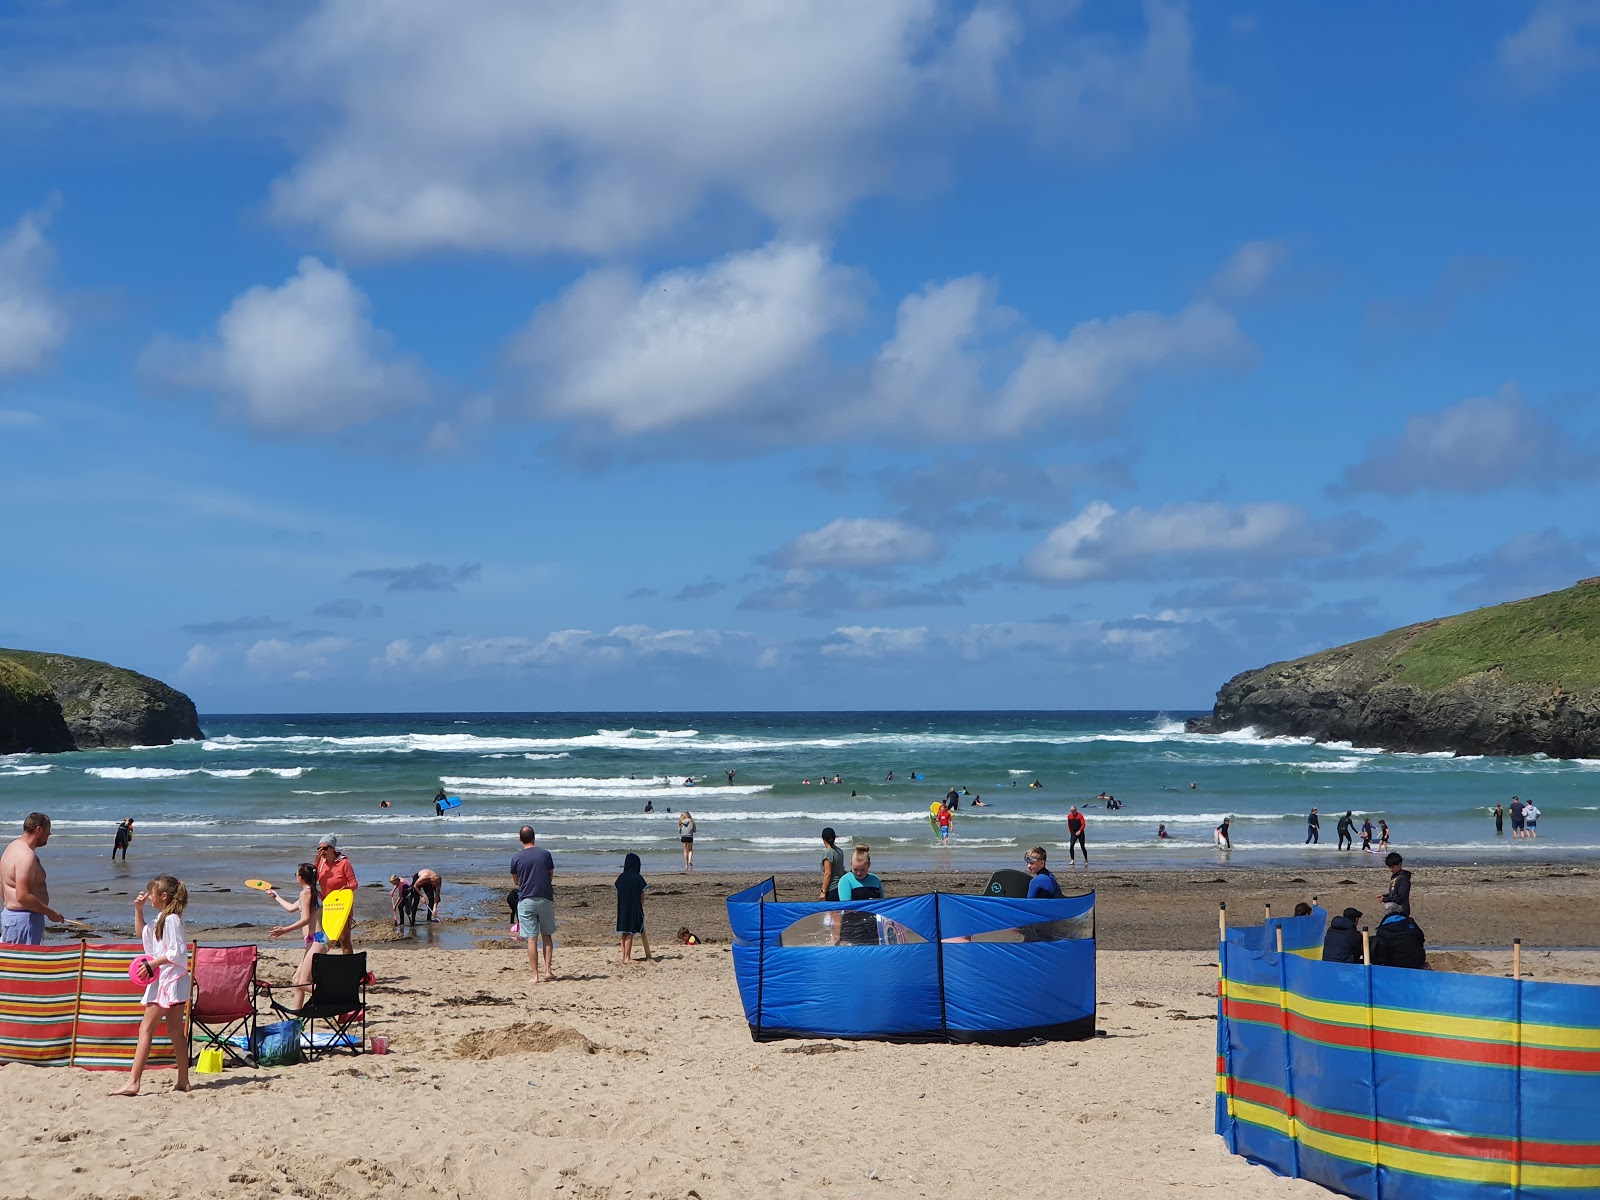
<point>166,991</point>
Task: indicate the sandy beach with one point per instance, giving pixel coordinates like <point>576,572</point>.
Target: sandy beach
<point>642,1080</point>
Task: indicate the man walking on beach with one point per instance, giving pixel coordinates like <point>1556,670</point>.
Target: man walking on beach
<point>22,886</point>
<point>1077,827</point>
<point>534,871</point>
<point>1346,824</point>
<point>1313,828</point>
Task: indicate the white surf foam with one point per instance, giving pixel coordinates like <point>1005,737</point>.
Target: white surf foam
<point>182,772</point>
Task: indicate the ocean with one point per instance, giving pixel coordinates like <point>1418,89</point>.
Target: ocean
<point>253,797</point>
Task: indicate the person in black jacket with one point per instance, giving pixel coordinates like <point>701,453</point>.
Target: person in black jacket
<point>1399,891</point>
<point>1398,941</point>
<point>1343,942</point>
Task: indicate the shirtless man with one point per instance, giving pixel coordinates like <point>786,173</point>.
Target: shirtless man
<point>27,899</point>
<point>429,887</point>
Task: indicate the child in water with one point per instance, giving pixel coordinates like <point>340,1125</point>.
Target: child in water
<point>166,973</point>
<point>1162,831</point>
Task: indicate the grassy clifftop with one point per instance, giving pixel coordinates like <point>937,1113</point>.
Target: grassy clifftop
<point>51,702</point>
<point>1518,678</point>
<point>1551,639</point>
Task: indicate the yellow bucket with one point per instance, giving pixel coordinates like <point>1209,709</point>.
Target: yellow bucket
<point>209,1062</point>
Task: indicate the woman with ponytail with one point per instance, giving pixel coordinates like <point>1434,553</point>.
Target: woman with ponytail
<point>166,971</point>
<point>309,905</point>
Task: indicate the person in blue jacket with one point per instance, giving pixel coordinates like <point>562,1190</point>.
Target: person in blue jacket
<point>1043,885</point>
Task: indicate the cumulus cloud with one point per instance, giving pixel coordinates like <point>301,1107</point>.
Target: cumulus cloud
<point>687,345</point>
<point>737,350</point>
<point>279,659</point>
<point>200,661</point>
<point>422,577</point>
<point>1478,445</point>
<point>299,360</point>
<point>859,544</point>
<point>33,324</point>
<point>566,647</point>
<point>1560,38</point>
<point>1102,543</point>
<point>498,125</point>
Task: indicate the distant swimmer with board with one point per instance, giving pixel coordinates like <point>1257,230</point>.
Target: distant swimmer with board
<point>443,804</point>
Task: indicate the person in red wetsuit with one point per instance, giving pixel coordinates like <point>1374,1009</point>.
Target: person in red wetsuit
<point>1076,826</point>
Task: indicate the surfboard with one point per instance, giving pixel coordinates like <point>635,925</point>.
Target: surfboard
<point>450,802</point>
<point>258,885</point>
<point>336,907</point>
<point>933,817</point>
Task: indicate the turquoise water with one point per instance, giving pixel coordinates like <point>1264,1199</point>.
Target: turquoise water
<point>259,790</point>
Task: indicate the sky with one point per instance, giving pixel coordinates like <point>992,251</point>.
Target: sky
<point>368,355</point>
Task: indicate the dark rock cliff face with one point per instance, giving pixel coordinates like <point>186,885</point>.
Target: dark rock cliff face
<point>93,703</point>
<point>1356,693</point>
<point>30,718</point>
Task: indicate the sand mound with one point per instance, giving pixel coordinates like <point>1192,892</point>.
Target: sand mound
<point>532,1037</point>
<point>1459,962</point>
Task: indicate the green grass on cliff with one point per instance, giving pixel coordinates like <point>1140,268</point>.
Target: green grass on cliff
<point>20,682</point>
<point>1552,639</point>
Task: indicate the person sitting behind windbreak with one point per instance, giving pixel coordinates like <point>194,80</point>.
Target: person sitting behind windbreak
<point>859,883</point>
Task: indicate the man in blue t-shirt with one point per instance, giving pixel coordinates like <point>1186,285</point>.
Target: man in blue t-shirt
<point>533,869</point>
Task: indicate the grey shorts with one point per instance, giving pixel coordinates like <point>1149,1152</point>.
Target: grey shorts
<point>535,916</point>
<point>21,928</point>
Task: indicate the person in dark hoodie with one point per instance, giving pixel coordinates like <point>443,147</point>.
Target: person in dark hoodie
<point>1398,941</point>
<point>1343,942</point>
<point>1399,891</point>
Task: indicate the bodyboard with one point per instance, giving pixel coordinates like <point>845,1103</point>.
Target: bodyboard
<point>336,906</point>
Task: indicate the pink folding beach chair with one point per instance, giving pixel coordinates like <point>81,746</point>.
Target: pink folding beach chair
<point>224,1001</point>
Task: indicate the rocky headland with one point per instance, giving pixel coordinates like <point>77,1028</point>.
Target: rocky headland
<point>1517,678</point>
<point>53,702</point>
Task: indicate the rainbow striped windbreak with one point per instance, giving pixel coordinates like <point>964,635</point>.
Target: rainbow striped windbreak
<point>1396,1084</point>
<point>74,1005</point>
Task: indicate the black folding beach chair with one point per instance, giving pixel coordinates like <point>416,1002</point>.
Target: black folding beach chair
<point>338,1000</point>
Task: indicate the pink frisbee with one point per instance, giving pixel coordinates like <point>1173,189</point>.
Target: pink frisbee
<point>134,969</point>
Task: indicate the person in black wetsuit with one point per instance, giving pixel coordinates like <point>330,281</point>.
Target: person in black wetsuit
<point>1347,824</point>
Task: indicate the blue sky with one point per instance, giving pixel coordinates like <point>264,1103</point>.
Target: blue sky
<point>501,355</point>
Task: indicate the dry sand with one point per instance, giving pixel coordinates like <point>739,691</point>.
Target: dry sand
<point>642,1081</point>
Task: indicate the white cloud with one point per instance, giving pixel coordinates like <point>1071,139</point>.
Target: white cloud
<point>1480,444</point>
<point>874,641</point>
<point>860,544</point>
<point>1248,270</point>
<point>200,661</point>
<point>298,360</point>
<point>278,659</point>
<point>738,351</point>
<point>1560,38</point>
<point>1102,543</point>
<point>566,647</point>
<point>688,344</point>
<point>495,124</point>
<point>33,325</point>
<point>1079,375</point>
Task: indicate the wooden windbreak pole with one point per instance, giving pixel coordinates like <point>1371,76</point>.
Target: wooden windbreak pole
<point>1516,1132</point>
<point>1268,907</point>
<point>1222,921</point>
<point>1372,1061</point>
<point>77,1004</point>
